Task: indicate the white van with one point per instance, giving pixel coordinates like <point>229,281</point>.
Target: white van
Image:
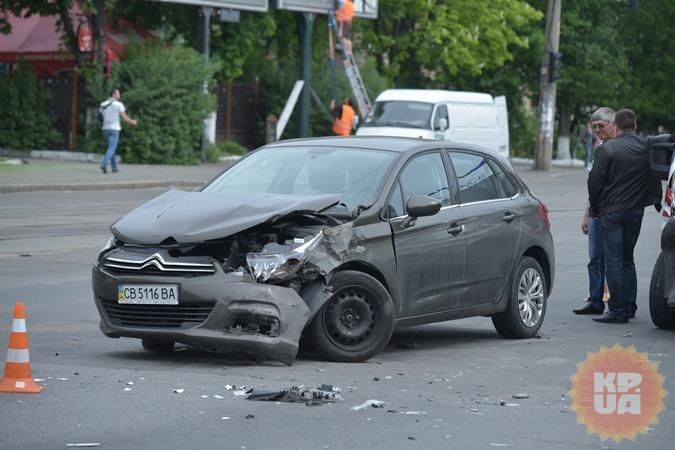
<point>471,117</point>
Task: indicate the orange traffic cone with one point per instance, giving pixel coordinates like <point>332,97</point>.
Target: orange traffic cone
<point>18,377</point>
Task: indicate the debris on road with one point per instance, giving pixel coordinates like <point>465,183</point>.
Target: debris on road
<point>371,403</point>
<point>84,444</point>
<point>520,396</point>
<point>628,334</point>
<point>178,391</point>
<point>299,394</point>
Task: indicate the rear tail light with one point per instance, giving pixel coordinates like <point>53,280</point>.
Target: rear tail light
<point>543,213</point>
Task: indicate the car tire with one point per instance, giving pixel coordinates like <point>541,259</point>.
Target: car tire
<point>662,315</point>
<point>526,306</point>
<point>356,323</point>
<point>157,345</point>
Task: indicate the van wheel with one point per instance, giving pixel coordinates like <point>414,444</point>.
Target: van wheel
<point>356,323</point>
<point>525,311</point>
<point>662,315</point>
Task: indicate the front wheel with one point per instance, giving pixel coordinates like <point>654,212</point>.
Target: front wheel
<point>662,315</point>
<point>356,323</point>
<point>525,311</point>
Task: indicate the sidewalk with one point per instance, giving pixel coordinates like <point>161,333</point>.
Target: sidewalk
<point>49,175</point>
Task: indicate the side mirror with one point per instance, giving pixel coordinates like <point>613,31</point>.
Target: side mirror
<point>442,124</point>
<point>420,206</point>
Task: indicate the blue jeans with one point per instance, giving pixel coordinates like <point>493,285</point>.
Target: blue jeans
<point>596,264</point>
<point>111,137</point>
<point>620,232</point>
<point>588,149</point>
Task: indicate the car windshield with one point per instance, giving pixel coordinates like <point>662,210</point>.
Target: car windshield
<point>400,114</point>
<point>355,173</point>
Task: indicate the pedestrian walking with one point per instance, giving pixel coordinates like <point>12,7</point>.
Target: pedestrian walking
<point>602,121</point>
<point>587,137</point>
<point>111,111</point>
<point>620,185</point>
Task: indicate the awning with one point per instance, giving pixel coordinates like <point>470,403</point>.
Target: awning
<point>36,39</point>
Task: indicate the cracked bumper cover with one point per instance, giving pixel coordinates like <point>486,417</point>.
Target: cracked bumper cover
<point>222,298</point>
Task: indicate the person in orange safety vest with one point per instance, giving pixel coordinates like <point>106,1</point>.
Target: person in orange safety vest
<point>344,15</point>
<point>344,117</point>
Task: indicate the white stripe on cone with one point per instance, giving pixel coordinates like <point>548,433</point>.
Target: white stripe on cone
<point>17,356</point>
<point>19,326</point>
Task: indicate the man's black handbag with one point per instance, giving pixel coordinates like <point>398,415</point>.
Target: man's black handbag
<point>101,109</point>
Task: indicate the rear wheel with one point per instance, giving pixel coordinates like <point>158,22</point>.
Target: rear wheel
<point>662,315</point>
<point>157,345</point>
<point>356,323</point>
<point>527,302</point>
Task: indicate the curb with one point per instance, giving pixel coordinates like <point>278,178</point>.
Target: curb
<point>117,185</point>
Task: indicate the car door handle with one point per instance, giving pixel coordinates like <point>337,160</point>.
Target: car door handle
<point>508,217</point>
<point>455,229</point>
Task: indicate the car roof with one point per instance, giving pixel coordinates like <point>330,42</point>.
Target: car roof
<point>387,143</point>
<point>433,96</point>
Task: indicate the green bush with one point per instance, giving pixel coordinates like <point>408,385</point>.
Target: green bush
<point>232,148</point>
<point>24,122</point>
<point>163,88</point>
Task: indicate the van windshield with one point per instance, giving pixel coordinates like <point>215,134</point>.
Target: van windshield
<point>403,114</point>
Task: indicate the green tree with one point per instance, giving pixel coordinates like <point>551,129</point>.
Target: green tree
<point>163,88</point>
<point>427,43</point>
<point>24,122</point>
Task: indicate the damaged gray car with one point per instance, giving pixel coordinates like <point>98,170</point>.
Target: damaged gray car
<point>335,240</point>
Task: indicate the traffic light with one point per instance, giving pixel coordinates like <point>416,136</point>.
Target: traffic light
<point>554,66</point>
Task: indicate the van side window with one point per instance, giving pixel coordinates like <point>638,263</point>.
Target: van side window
<point>441,113</point>
<point>477,182</point>
<point>426,175</point>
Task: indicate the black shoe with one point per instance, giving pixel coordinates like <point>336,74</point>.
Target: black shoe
<point>611,317</point>
<point>115,171</point>
<point>588,309</point>
<point>103,169</point>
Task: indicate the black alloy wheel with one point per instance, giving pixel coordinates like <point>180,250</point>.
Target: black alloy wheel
<point>356,323</point>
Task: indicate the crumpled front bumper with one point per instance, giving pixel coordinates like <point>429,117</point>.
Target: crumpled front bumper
<point>207,316</point>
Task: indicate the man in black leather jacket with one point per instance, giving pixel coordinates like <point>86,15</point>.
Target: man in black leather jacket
<point>620,185</point>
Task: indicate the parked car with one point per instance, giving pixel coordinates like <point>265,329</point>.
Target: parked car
<point>662,286</point>
<point>337,239</point>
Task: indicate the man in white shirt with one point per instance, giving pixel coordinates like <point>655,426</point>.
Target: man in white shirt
<point>112,110</point>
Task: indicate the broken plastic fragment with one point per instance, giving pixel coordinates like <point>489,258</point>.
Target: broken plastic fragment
<point>179,391</point>
<point>371,403</point>
<point>242,391</point>
<point>127,389</point>
<point>311,397</point>
<point>84,444</point>
<point>228,387</point>
<point>519,396</point>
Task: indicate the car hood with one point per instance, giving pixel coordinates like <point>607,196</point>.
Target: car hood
<point>191,217</point>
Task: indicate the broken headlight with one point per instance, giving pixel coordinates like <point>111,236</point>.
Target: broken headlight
<point>111,243</point>
<point>280,261</point>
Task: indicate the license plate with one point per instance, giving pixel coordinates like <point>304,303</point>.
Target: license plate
<point>147,294</point>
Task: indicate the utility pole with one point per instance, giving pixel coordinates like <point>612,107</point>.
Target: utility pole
<point>547,89</point>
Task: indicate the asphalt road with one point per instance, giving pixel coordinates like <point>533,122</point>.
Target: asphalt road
<point>442,383</point>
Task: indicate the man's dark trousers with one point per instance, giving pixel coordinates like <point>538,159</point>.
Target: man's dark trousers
<point>620,232</point>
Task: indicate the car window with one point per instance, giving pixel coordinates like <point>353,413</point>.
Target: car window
<point>441,113</point>
<point>395,208</point>
<point>505,182</point>
<point>426,175</point>
<point>477,182</point>
<point>354,173</point>
<point>403,114</point>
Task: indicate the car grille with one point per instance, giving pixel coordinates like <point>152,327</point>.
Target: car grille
<point>156,316</point>
<point>157,264</point>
